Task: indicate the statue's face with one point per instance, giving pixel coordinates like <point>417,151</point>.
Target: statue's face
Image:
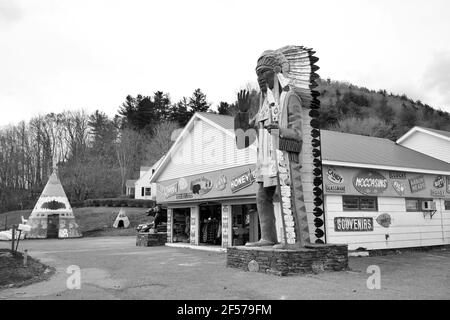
<point>267,76</point>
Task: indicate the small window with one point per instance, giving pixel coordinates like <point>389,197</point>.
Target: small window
<point>148,191</point>
<point>447,204</point>
<point>414,205</point>
<point>142,191</point>
<point>359,203</point>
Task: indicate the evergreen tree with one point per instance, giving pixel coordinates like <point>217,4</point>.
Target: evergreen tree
<point>198,102</point>
<point>224,108</point>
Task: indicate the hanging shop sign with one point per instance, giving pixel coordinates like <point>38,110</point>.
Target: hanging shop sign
<point>370,182</point>
<point>214,184</point>
<point>183,185</point>
<point>353,181</point>
<point>353,224</point>
<point>334,176</point>
<point>384,220</point>
<point>242,181</point>
<point>439,182</point>
<point>417,183</point>
<point>437,193</point>
<point>448,184</point>
<point>399,187</point>
<point>201,186</point>
<point>221,183</point>
<point>186,195</point>
<point>171,190</point>
<point>334,188</point>
<point>397,175</point>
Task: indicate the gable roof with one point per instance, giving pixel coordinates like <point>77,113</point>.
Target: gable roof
<point>130,183</point>
<point>437,133</point>
<point>148,170</point>
<point>355,150</point>
<point>221,122</point>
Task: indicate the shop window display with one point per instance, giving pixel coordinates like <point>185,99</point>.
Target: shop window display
<point>211,224</point>
<point>181,225</point>
<point>245,224</point>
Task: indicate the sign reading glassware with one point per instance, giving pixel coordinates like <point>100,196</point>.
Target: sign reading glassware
<point>370,182</point>
<point>242,181</point>
<point>346,224</point>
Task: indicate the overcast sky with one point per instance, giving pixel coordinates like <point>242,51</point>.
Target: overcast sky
<point>72,54</point>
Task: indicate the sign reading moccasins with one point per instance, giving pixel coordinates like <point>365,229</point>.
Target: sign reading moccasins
<point>370,182</point>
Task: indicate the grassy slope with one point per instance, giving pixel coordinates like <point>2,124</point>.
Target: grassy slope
<point>93,221</point>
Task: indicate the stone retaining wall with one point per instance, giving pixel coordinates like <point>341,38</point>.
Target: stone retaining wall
<point>282,262</point>
<point>145,239</point>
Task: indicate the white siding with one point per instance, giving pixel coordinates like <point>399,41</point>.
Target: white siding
<point>408,229</point>
<point>205,149</point>
<point>430,145</point>
<point>144,182</point>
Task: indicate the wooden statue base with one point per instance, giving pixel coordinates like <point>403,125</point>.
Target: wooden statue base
<point>146,239</point>
<point>312,258</point>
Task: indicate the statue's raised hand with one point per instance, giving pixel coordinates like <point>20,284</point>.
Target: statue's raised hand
<point>243,101</point>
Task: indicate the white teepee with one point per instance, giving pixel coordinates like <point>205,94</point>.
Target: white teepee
<point>52,216</point>
<point>121,216</point>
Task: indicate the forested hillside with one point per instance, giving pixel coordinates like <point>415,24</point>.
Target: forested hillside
<point>348,108</point>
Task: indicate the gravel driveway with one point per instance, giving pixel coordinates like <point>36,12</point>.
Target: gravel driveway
<point>115,268</point>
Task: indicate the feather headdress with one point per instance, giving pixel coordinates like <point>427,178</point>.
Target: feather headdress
<point>295,66</point>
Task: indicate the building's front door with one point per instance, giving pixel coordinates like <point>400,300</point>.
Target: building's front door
<point>52,225</point>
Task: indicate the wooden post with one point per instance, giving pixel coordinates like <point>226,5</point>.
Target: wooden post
<point>6,222</point>
<point>18,239</point>
<point>25,257</point>
<point>13,233</point>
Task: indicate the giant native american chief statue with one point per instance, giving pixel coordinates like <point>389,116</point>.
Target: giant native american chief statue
<point>286,78</point>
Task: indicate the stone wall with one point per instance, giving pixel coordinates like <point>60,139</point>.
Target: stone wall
<point>145,239</point>
<point>282,262</point>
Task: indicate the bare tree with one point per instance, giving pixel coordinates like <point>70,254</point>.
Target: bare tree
<point>129,149</point>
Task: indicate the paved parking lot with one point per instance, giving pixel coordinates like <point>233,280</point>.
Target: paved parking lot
<point>115,268</point>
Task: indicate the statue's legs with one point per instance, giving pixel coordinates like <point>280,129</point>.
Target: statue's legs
<point>264,204</point>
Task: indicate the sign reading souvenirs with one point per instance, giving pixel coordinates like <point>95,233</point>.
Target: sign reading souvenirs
<point>354,224</point>
<point>333,176</point>
<point>334,189</point>
<point>384,220</point>
<point>242,181</point>
<point>370,182</point>
<point>397,175</point>
<point>417,184</point>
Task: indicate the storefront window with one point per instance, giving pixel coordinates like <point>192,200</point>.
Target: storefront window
<point>181,224</point>
<point>245,224</point>
<point>211,224</point>
<point>357,203</point>
<point>447,204</point>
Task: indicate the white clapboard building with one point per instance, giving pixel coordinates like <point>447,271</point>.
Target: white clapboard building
<point>378,194</point>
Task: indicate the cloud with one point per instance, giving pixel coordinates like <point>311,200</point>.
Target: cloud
<point>436,79</point>
<point>9,11</point>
